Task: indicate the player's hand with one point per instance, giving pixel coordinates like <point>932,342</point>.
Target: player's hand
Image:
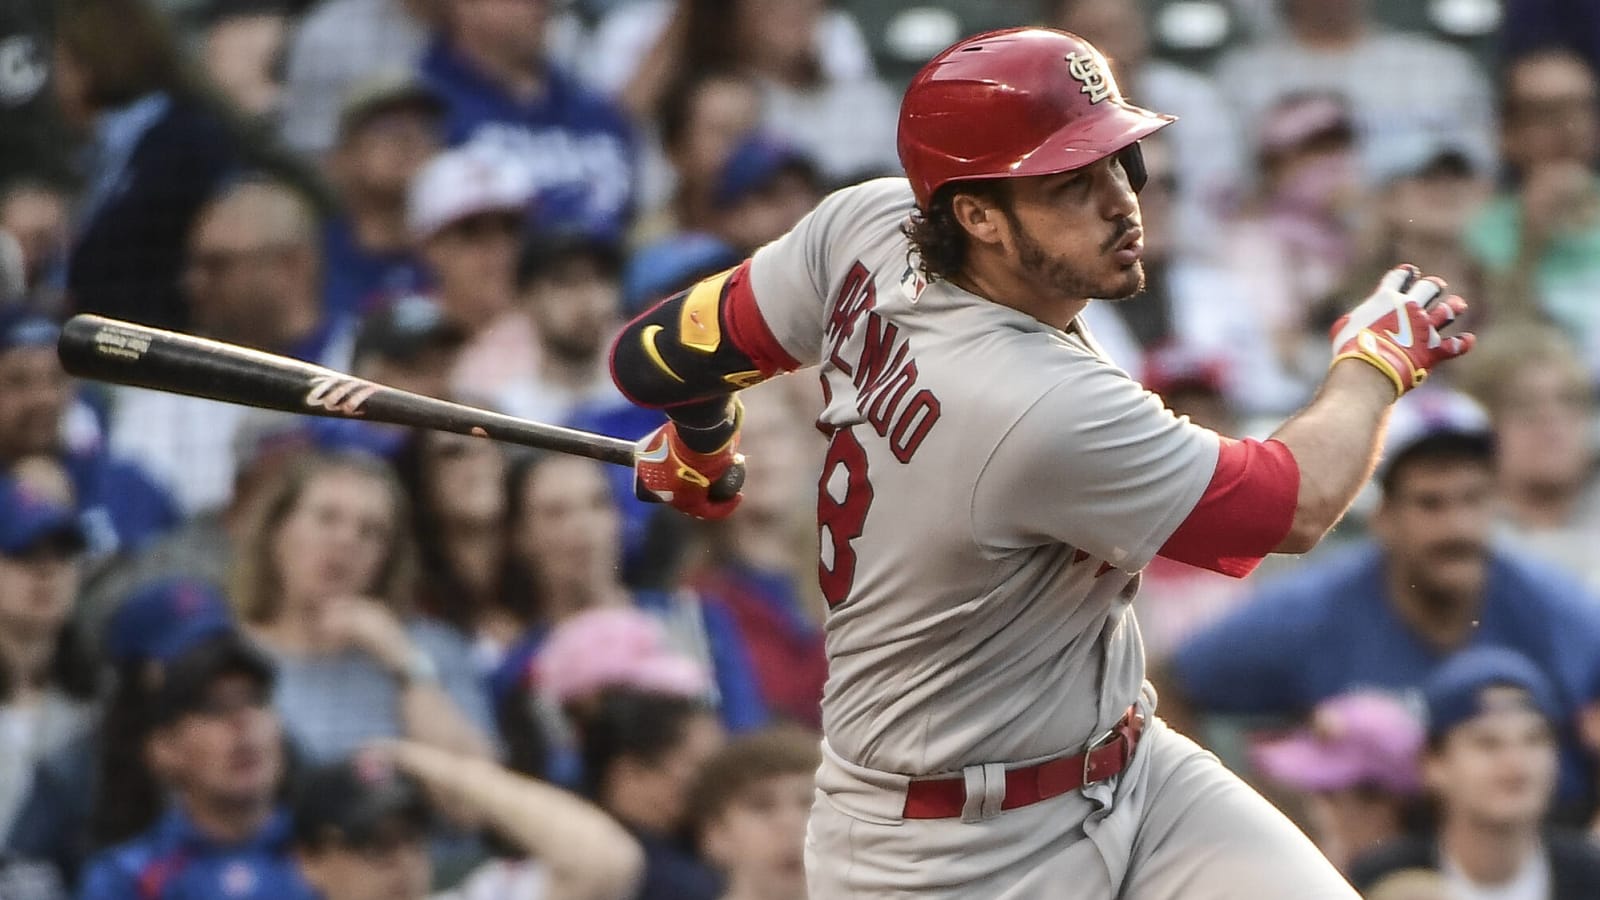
<point>1396,330</point>
<point>704,485</point>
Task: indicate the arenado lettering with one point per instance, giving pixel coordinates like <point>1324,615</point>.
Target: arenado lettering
<point>1086,69</point>
<point>339,393</point>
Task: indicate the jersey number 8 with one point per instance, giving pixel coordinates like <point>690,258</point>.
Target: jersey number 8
<point>841,518</point>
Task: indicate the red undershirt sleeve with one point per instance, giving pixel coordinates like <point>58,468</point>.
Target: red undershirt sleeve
<point>1245,512</point>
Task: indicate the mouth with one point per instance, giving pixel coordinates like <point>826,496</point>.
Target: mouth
<point>1130,247</point>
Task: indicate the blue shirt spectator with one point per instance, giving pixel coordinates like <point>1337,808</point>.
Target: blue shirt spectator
<point>580,146</point>
<point>357,281</point>
<point>176,860</point>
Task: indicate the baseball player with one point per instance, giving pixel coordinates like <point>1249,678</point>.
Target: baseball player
<point>993,486</point>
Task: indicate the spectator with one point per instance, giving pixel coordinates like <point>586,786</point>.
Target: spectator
<point>460,518</point>
<point>122,509</point>
<point>387,130</point>
<point>1491,764</point>
<point>241,52</point>
<point>47,681</point>
<point>1208,154</point>
<point>96,790</point>
<point>158,153</point>
<point>749,809</point>
<point>338,45</point>
<point>571,288</point>
<point>1542,404</point>
<point>1293,245</point>
<point>1387,612</point>
<point>845,122</point>
<point>34,213</point>
<point>32,132</point>
<point>217,746</point>
<point>761,564</point>
<point>700,120</point>
<point>360,822</point>
<point>492,71</point>
<point>1410,884</point>
<point>1530,25</point>
<point>764,189</point>
<point>408,345</point>
<point>252,276</point>
<point>565,545</point>
<point>641,751</point>
<point>465,213</point>
<point>322,578</point>
<point>1403,88</point>
<point>1539,242</point>
<point>1354,770</point>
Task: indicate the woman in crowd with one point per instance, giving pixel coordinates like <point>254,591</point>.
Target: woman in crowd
<point>324,579</point>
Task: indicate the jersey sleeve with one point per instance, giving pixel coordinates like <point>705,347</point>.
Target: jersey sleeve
<point>1096,463</point>
<point>1246,510</point>
<point>790,277</point>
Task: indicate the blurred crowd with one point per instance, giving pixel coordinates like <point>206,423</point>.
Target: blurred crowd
<point>245,654</point>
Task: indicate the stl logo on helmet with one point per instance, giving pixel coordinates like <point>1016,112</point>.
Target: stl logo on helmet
<point>1086,69</point>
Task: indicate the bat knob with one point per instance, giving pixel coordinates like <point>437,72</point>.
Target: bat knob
<point>727,487</point>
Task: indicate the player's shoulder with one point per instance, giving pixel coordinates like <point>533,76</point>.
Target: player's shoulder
<point>869,201</point>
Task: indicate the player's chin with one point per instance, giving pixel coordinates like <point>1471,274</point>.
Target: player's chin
<point>1123,282</point>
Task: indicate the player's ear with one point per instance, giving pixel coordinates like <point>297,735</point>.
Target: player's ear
<point>980,217</point>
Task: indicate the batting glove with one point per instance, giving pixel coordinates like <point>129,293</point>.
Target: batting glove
<point>704,485</point>
<point>1396,330</point>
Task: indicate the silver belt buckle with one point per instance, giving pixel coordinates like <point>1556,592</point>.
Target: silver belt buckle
<point>1101,741</point>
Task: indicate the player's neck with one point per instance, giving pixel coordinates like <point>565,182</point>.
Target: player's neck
<point>1005,287</point>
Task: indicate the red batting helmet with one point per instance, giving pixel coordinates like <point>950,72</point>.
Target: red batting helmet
<point>1023,101</point>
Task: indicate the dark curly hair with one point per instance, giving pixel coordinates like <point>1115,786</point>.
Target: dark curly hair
<point>939,240</point>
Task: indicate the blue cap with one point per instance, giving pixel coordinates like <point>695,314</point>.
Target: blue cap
<point>163,619</point>
<point>1454,693</point>
<point>24,328</point>
<point>28,519</point>
<point>668,266</point>
<point>754,163</point>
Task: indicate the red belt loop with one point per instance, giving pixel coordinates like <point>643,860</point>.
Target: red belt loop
<point>943,798</point>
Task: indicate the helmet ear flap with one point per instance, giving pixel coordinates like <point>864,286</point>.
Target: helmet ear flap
<point>1132,160</point>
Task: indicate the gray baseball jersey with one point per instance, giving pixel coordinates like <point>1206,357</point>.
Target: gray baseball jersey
<point>991,489</point>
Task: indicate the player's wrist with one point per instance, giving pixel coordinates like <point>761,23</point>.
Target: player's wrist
<point>1359,375</point>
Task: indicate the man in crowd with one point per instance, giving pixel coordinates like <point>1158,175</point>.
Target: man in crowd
<point>217,746</point>
<point>121,507</point>
<point>253,277</point>
<point>1491,763</point>
<point>570,287</point>
<point>764,188</point>
<point>388,129</point>
<point>491,69</point>
<point>361,824</point>
<point>749,809</point>
<point>1385,613</point>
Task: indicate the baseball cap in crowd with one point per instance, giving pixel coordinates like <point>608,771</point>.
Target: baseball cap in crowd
<point>1435,420</point>
<point>29,521</point>
<point>464,182</point>
<point>21,327</point>
<point>1300,119</point>
<point>406,328</point>
<point>546,254</point>
<point>387,92</point>
<point>1171,367</point>
<point>598,649</point>
<point>187,677</point>
<point>755,163</point>
<point>164,618</point>
<point>1365,738</point>
<point>1459,690</point>
<point>668,266</point>
<point>1426,154</point>
<point>358,801</point>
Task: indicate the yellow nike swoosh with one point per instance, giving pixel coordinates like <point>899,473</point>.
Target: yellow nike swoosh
<point>648,338</point>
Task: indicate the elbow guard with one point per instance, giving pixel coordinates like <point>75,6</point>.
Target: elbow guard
<point>682,350</point>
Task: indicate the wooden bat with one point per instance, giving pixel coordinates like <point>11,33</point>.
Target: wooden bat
<point>125,353</point>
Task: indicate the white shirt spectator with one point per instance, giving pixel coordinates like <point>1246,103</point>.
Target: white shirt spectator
<point>1403,88</point>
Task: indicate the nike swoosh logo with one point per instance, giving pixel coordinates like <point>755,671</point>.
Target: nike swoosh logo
<point>1403,339</point>
<point>648,338</point>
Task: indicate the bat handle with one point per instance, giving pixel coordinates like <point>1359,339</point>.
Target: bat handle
<point>727,487</point>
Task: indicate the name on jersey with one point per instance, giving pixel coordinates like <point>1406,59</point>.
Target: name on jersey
<point>883,371</point>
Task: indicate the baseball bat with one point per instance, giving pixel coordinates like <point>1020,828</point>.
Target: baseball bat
<point>140,356</point>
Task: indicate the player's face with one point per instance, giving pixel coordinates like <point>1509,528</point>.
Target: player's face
<point>1435,525</point>
<point>760,838</point>
<point>335,539</point>
<point>1498,769</point>
<point>1077,235</point>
